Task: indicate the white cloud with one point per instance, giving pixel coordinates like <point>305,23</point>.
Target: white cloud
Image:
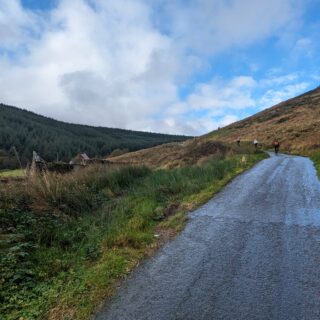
<point>279,80</point>
<point>220,95</point>
<point>303,47</point>
<point>222,100</point>
<point>211,105</point>
<point>196,125</point>
<point>121,63</point>
<point>15,23</point>
<point>229,118</point>
<point>94,66</point>
<point>212,26</point>
<point>274,96</point>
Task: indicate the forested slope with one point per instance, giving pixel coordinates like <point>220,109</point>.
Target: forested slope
<point>28,131</point>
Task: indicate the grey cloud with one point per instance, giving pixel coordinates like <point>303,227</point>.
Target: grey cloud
<point>82,88</point>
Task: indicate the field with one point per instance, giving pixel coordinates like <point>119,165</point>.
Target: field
<point>66,240</point>
<point>13,173</point>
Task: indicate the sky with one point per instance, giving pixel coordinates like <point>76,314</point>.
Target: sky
<point>172,66</point>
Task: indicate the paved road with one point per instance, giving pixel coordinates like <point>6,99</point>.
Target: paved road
<point>252,252</point>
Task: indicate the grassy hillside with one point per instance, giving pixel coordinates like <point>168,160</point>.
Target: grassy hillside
<point>28,131</point>
<point>295,122</point>
<point>179,154</point>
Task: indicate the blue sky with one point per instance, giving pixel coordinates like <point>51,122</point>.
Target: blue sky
<point>157,65</point>
<point>39,4</point>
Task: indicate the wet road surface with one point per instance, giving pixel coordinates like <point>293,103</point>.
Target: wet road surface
<point>252,252</point>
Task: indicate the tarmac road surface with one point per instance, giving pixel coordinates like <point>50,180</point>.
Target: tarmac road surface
<point>252,252</point>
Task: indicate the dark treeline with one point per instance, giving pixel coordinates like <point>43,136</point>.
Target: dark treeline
<point>28,131</point>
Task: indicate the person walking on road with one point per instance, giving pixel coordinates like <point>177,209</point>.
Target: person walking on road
<point>256,143</point>
<point>276,146</point>
<point>238,141</point>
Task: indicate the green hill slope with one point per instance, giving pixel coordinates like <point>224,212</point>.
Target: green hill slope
<point>28,131</point>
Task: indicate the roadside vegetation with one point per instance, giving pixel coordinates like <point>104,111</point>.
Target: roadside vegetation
<point>67,240</point>
<point>316,159</point>
<point>13,173</point>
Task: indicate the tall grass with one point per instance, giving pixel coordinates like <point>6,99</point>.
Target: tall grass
<point>80,191</point>
<point>66,239</point>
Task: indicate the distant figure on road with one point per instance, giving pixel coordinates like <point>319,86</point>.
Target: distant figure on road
<point>256,143</point>
<point>276,146</point>
<point>238,141</point>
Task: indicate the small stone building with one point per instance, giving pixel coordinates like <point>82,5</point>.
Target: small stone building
<point>80,159</point>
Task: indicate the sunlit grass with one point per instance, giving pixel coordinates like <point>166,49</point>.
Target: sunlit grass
<point>13,173</point>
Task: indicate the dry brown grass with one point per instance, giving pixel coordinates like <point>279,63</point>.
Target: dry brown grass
<point>78,191</point>
<point>296,123</point>
<point>175,155</point>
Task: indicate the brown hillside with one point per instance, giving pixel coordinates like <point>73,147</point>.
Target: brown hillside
<point>295,122</point>
<point>176,154</point>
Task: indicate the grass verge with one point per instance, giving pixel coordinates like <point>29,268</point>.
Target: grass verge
<point>316,159</point>
<point>66,241</point>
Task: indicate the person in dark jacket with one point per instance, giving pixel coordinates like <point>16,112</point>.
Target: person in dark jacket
<point>276,145</point>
